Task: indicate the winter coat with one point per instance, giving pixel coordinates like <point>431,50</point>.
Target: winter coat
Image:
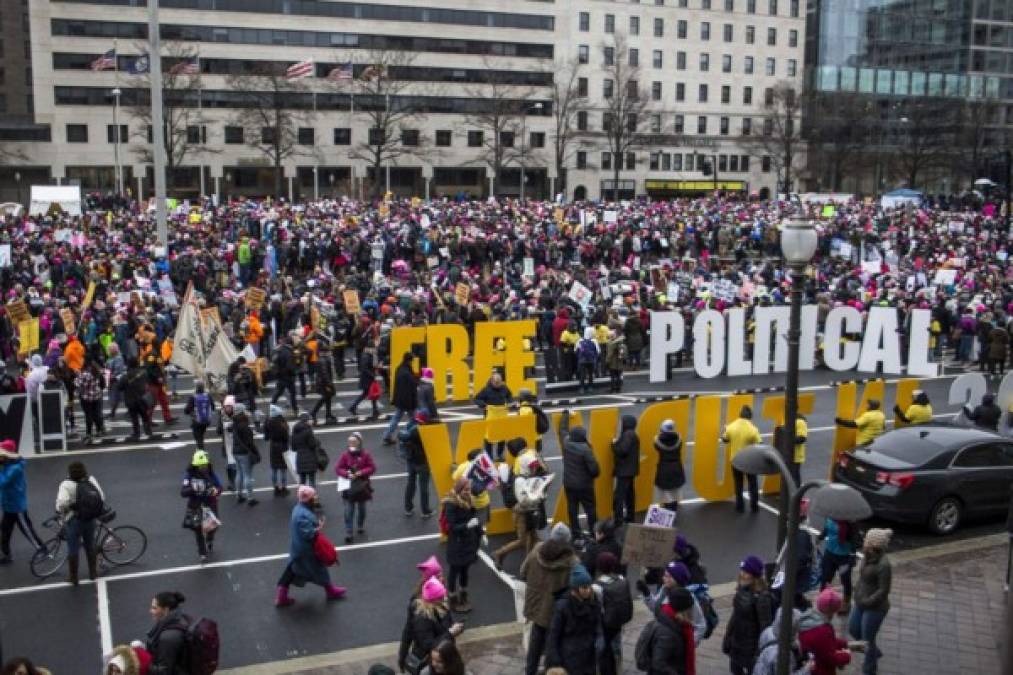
<point>751,613</point>
<point>998,344</point>
<point>425,398</point>
<point>198,489</point>
<point>766,660</point>
<point>302,557</point>
<point>670,474</point>
<point>305,445</point>
<point>491,395</point>
<point>875,576</point>
<point>634,332</point>
<point>415,452</point>
<point>575,629</point>
<point>547,572</point>
<point>284,362</point>
<point>613,353</point>
<point>669,649</point>
<point>589,558</point>
<point>426,627</point>
<point>360,462</point>
<point>986,416</point>
<point>626,449</point>
<point>691,559</point>
<point>243,442</point>
<point>165,643</point>
<point>462,541</point>
<point>13,486</point>
<point>816,637</point>
<point>580,468</point>
<point>276,433</point>
<point>405,389</point>
<point>367,371</point>
<point>134,385</point>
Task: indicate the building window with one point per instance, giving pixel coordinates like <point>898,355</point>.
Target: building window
<point>726,63</point>
<point>680,124</point>
<point>750,35</point>
<point>268,135</point>
<point>581,159</point>
<point>584,21</point>
<point>765,164</point>
<point>656,58</point>
<point>342,136</point>
<point>655,91</point>
<point>197,135</point>
<point>633,89</point>
<point>376,136</point>
<point>682,29</point>
<point>610,56</point>
<point>733,163</point>
<point>701,125</point>
<point>536,139</point>
<point>792,67</point>
<point>677,161</point>
<point>680,60</point>
<point>728,32</point>
<point>582,87</point>
<point>772,7</point>
<point>655,124</point>
<point>705,30</point>
<point>475,139</point>
<point>632,122</point>
<point>768,97</point>
<point>410,137</point>
<point>744,163</point>
<point>506,139</point>
<point>794,9</point>
<point>583,54</point>
<point>771,67</point>
<point>606,121</point>
<point>702,94</point>
<point>77,133</point>
<point>683,3</point>
<point>111,133</point>
<point>705,4</point>
<point>748,65</point>
<point>234,135</point>
<point>751,6</point>
<point>726,94</point>
<point>724,126</point>
<point>659,27</point>
<point>680,91</point>
<point>771,37</point>
<point>705,62</point>
<point>606,160</point>
<point>747,126</point>
<point>690,161</point>
<point>793,38</point>
<point>747,96</point>
<point>634,25</point>
<point>305,136</point>
<point>654,161</point>
<point>608,88</point>
<point>443,138</point>
<point>634,57</point>
<point>666,161</point>
<point>582,120</point>
<point>768,127</point>
<point>610,23</point>
<point>729,5</point>
<point>631,161</point>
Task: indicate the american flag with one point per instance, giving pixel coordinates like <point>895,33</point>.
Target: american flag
<point>189,66</point>
<point>374,72</point>
<point>105,62</point>
<point>300,70</point>
<point>342,72</point>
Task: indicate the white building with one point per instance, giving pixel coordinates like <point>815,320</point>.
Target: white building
<point>705,66</point>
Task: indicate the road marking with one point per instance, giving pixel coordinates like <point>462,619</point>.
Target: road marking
<point>104,624</point>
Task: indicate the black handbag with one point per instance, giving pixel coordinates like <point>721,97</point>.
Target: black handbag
<point>413,664</point>
<point>192,519</point>
<point>322,459</point>
<point>359,491</point>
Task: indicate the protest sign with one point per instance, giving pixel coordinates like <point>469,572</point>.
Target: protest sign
<point>647,545</point>
<point>580,294</point>
<point>89,296</point>
<point>610,216</point>
<point>5,255</point>
<point>461,293</point>
<point>18,311</point>
<point>529,267</point>
<point>255,297</point>
<point>28,335</point>
<point>659,517</point>
<point>945,277</point>
<point>351,298</point>
<point>67,316</point>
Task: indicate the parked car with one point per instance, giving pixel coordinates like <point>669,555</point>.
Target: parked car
<point>932,474</point>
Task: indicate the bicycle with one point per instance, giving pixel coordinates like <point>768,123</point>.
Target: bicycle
<point>115,546</point>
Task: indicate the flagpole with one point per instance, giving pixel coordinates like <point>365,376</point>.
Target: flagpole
<point>118,177</point>
<point>157,130</point>
<point>200,123</point>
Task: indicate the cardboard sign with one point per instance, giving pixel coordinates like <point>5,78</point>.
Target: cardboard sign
<point>89,296</point>
<point>5,255</point>
<point>558,215</point>
<point>647,545</point>
<point>659,517</point>
<point>461,293</point>
<point>314,318</point>
<point>351,298</point>
<point>28,335</point>
<point>18,312</point>
<point>69,324</point>
<point>255,297</point>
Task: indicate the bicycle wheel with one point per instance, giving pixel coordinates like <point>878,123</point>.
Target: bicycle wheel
<point>123,545</point>
<point>48,559</point>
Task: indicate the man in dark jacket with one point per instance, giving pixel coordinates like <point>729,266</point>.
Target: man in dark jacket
<point>404,399</point>
<point>133,384</point>
<point>626,449</point>
<point>417,465</point>
<point>604,542</point>
<point>580,469</point>
<point>285,371</point>
<point>576,628</point>
<point>985,415</point>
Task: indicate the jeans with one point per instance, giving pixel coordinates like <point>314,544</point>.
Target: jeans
<point>322,402</point>
<point>244,482</point>
<point>359,399</point>
<point>350,509</point>
<point>624,500</point>
<point>198,434</point>
<point>308,479</point>
<point>576,498</point>
<point>863,624</point>
<point>420,475</point>
<point>92,416</point>
<point>78,531</point>
<point>964,347</point>
<point>204,540</point>
<point>395,419</point>
<point>536,647</point>
<point>278,477</point>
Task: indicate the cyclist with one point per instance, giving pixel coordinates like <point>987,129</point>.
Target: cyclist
<point>80,501</point>
<point>201,487</point>
<point>14,500</point>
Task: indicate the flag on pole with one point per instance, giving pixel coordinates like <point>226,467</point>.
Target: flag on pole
<point>188,66</point>
<point>342,72</point>
<point>374,72</point>
<point>300,70</point>
<point>105,62</point>
<point>140,65</point>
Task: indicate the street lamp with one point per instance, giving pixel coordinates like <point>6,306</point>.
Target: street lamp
<point>116,141</point>
<point>17,179</point>
<point>828,500</point>
<point>524,136</point>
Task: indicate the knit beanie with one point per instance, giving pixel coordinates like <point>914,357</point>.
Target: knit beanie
<point>306,493</point>
<point>828,602</point>
<point>878,538</point>
<point>560,533</point>
<point>679,572</point>
<point>579,576</point>
<point>433,590</point>
<point>430,567</point>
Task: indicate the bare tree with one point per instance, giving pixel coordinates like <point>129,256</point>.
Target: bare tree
<point>980,136</point>
<point>273,108</point>
<point>924,135</point>
<point>10,154</point>
<point>183,119</point>
<point>624,105</point>
<point>839,128</point>
<point>567,101</point>
<point>780,136</point>
<point>382,94</point>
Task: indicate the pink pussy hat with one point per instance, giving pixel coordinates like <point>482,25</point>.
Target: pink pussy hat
<point>430,567</point>
<point>433,590</point>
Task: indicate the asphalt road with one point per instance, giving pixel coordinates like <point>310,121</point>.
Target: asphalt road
<point>236,588</point>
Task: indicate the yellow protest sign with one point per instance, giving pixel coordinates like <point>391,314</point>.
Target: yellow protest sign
<point>461,293</point>
<point>558,215</point>
<point>69,324</point>
<point>351,298</point>
<point>28,335</point>
<point>89,296</point>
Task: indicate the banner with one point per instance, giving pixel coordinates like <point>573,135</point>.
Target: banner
<point>5,255</point>
<point>200,346</point>
<point>18,311</point>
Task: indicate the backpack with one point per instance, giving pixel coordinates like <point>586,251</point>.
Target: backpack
<point>618,603</point>
<point>541,420</point>
<point>201,646</point>
<point>88,503</point>
<point>642,653</point>
<point>202,409</point>
<point>587,352</point>
<point>706,603</point>
<point>509,496</point>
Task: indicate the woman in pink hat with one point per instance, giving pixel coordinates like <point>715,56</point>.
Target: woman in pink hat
<point>303,565</point>
<point>429,623</point>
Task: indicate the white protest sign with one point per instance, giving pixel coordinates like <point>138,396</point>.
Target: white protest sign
<point>610,216</point>
<point>529,267</point>
<point>580,294</point>
<point>5,255</point>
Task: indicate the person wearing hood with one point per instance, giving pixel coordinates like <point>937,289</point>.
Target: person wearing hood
<point>986,415</point>
<point>323,374</point>
<point>308,453</point>
<point>430,621</point>
<point>494,400</point>
<point>14,500</point>
<point>670,476</point>
<point>626,468</point>
<point>766,660</point>
<point>576,631</point>
<point>673,649</point>
<point>530,487</point>
<point>303,565</point>
<point>464,537</point>
<point>201,487</point>
<point>127,660</point>
<point>919,412</point>
<point>580,469</point>
<point>872,596</point>
<point>587,360</point>
<point>816,635</point>
<point>244,449</point>
<point>615,359</point>
<point>355,465</point>
<point>425,395</point>
<point>689,555</point>
<point>276,433</point>
<point>604,541</point>
<point>676,575</point>
<point>752,611</point>
<point>546,571</point>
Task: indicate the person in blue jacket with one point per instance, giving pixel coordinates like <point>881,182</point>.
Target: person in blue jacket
<point>303,565</point>
<point>14,500</point>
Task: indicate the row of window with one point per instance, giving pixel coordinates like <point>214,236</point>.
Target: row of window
<point>682,31</point>
<point>350,10</point>
<point>298,38</point>
<point>215,66</point>
<point>655,124</point>
<point>703,91</point>
<point>664,161</point>
<point>657,61</point>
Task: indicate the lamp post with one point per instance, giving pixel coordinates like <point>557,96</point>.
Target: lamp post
<point>116,141</point>
<point>17,179</point>
<point>829,500</point>
<point>798,245</point>
<point>524,140</point>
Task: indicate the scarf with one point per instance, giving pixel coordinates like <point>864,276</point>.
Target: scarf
<point>688,638</point>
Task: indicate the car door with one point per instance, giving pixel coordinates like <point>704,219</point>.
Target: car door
<point>980,477</point>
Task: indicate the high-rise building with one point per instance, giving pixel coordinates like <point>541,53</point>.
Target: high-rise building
<point>438,98</point>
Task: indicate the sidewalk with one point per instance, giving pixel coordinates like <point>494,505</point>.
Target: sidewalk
<point>947,611</point>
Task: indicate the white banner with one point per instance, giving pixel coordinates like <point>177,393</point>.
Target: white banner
<point>201,348</point>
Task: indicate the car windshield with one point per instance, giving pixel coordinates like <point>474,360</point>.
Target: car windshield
<point>908,448</point>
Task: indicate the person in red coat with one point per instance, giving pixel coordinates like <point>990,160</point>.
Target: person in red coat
<point>816,635</point>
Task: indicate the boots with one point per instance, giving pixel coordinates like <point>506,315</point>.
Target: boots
<point>335,592</point>
<point>281,598</point>
<point>463,606</point>
<point>92,559</point>
<point>72,570</point>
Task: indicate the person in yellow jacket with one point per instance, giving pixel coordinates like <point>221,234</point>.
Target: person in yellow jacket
<point>919,412</point>
<point>870,424</point>
<point>740,434</point>
<point>798,458</point>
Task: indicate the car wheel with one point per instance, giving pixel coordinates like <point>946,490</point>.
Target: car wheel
<point>946,515</point>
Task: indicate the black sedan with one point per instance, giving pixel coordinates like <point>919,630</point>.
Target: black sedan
<point>932,474</point>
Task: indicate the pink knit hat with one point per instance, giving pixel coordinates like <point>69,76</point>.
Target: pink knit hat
<point>828,602</point>
<point>433,590</point>
<point>427,374</point>
<point>430,567</point>
<point>306,493</point>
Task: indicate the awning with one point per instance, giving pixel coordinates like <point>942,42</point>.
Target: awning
<point>694,185</point>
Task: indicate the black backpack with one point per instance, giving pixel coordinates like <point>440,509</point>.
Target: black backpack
<point>644,649</point>
<point>541,420</point>
<point>88,502</point>
<point>618,603</point>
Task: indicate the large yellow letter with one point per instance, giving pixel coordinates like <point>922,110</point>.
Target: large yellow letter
<point>514,360</point>
<point>708,457</point>
<point>447,353</point>
<point>600,434</point>
<point>844,437</point>
<point>647,429</point>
